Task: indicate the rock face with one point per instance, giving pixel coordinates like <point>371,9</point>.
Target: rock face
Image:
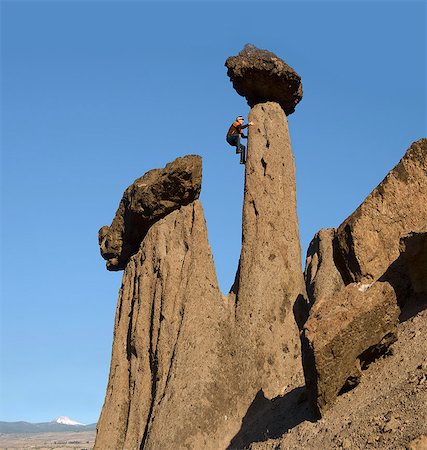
<point>261,76</point>
<point>269,278</point>
<point>362,250</point>
<point>367,242</point>
<point>343,334</point>
<point>321,275</point>
<point>168,374</point>
<point>187,362</point>
<point>148,199</point>
<point>191,368</point>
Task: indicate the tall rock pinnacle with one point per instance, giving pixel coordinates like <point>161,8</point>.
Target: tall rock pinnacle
<point>187,362</point>
<point>270,278</point>
<point>165,389</point>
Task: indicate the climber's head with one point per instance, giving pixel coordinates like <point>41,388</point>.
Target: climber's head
<point>240,119</point>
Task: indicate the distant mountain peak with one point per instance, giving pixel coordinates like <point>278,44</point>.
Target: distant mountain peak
<point>67,421</point>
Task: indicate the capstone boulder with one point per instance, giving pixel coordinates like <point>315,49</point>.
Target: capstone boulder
<point>261,76</point>
<point>150,198</point>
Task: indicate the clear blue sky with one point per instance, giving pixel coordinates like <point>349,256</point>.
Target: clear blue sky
<point>94,94</point>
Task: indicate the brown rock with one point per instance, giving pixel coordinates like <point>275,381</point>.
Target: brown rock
<point>261,76</point>
<point>270,279</point>
<point>169,377</point>
<point>419,443</point>
<point>188,363</point>
<point>367,242</point>
<point>148,199</point>
<point>322,278</point>
<point>355,324</point>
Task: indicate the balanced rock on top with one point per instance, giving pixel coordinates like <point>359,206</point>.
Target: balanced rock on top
<point>149,199</point>
<point>261,76</point>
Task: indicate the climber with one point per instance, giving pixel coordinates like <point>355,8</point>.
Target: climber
<point>234,135</point>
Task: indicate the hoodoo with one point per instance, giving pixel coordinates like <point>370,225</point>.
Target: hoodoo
<point>187,362</point>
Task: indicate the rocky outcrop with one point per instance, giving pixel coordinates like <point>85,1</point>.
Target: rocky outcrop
<point>148,199</point>
<point>362,250</point>
<point>269,279</point>
<point>367,242</point>
<point>261,76</point>
<point>343,334</point>
<point>192,368</point>
<point>187,362</point>
<point>169,373</point>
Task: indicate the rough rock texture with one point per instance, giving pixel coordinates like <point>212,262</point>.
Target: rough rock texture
<point>386,410</point>
<point>188,363</point>
<point>322,278</point>
<point>164,389</point>
<point>367,242</point>
<point>269,279</point>
<point>414,249</point>
<point>419,443</point>
<point>261,76</point>
<point>148,199</point>
<point>342,334</point>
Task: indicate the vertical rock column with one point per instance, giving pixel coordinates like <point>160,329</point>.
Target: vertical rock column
<point>168,386</point>
<point>270,277</point>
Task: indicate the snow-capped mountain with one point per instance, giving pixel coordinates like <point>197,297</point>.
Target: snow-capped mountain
<point>64,420</point>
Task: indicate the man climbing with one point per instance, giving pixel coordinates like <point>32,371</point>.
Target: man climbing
<point>235,133</point>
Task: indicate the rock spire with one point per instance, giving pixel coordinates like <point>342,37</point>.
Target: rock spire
<point>188,363</point>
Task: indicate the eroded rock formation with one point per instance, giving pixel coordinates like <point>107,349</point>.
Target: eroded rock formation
<point>148,199</point>
<point>343,334</point>
<point>269,279</point>
<point>321,275</point>
<point>261,76</point>
<point>188,362</point>
<point>192,368</point>
<point>168,373</point>
<point>370,247</point>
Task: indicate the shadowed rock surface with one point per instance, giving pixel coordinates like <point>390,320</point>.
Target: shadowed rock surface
<point>365,248</point>
<point>261,76</point>
<point>344,333</point>
<point>414,249</point>
<point>386,410</point>
<point>148,199</point>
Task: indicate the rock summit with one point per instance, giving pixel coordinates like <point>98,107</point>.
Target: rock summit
<point>261,76</point>
<point>147,200</point>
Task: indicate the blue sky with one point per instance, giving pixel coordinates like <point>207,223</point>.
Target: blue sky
<point>94,94</point>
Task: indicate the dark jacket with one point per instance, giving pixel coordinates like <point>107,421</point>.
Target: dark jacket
<point>236,128</point>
